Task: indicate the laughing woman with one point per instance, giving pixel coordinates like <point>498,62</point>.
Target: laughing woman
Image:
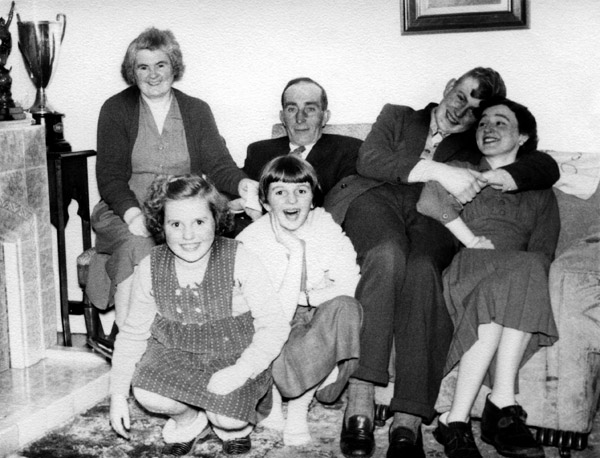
<point>496,288</point>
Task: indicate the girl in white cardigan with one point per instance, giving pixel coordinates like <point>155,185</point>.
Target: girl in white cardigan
<point>313,266</point>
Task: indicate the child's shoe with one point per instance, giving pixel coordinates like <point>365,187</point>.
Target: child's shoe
<point>237,446</point>
<point>457,439</point>
<point>506,430</point>
<point>180,441</point>
<point>184,448</point>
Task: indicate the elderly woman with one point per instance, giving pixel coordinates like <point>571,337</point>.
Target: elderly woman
<point>496,288</point>
<point>146,130</point>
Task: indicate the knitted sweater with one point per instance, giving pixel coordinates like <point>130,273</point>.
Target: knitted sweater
<point>117,133</point>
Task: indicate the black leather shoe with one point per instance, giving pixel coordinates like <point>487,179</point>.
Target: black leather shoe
<point>237,446</point>
<point>185,448</point>
<point>506,430</point>
<point>404,445</point>
<point>357,439</point>
<point>457,439</point>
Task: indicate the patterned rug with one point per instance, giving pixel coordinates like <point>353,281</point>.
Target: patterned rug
<point>89,435</point>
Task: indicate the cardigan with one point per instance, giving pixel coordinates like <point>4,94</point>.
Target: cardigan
<point>117,133</point>
<point>331,268</point>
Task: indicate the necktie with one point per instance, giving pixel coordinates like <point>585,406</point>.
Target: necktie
<point>298,151</point>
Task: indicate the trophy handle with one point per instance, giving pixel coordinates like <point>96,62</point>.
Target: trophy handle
<point>62,18</point>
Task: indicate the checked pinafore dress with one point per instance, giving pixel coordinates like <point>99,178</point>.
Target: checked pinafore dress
<point>195,335</point>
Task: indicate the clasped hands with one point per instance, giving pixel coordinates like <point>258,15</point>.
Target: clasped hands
<point>465,184</point>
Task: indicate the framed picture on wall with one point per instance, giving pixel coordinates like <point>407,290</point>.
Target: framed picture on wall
<point>436,16</point>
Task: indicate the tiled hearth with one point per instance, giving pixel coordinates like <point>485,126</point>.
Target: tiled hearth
<point>27,294</point>
<point>41,384</point>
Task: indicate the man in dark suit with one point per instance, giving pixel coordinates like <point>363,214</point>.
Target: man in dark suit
<point>403,253</point>
<point>304,114</point>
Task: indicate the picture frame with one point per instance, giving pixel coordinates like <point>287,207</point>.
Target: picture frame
<point>444,16</point>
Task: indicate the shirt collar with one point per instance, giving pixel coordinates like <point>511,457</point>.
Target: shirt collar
<point>433,125</point>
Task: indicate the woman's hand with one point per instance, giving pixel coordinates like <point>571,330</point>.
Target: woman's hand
<point>291,241</point>
<point>119,415</point>
<point>500,179</point>
<point>134,218</point>
<point>226,380</point>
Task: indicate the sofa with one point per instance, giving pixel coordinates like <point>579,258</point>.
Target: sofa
<point>559,386</point>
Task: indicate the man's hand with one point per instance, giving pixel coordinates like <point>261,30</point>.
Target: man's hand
<point>463,184</point>
<point>119,415</point>
<point>500,179</point>
<point>134,218</point>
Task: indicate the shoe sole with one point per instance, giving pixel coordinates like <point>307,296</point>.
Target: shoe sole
<point>510,454</point>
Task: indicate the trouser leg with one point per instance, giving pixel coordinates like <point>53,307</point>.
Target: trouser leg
<point>423,329</point>
<point>375,224</point>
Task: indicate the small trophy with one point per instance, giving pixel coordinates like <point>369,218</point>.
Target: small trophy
<point>39,42</point>
<point>8,110</point>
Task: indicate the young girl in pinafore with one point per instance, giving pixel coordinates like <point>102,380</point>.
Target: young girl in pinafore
<point>203,327</point>
<point>312,264</point>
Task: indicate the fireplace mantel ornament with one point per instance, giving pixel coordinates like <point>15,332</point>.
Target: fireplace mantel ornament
<point>8,110</point>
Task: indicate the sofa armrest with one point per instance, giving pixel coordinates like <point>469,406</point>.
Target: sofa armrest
<point>575,359</point>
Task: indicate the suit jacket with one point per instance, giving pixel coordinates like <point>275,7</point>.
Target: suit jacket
<point>333,157</point>
<point>394,146</point>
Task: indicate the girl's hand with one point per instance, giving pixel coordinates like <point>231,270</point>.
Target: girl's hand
<point>226,380</point>
<point>119,415</point>
<point>291,241</point>
<point>481,242</point>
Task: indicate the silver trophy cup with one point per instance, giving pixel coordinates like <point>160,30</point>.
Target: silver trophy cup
<point>39,42</point>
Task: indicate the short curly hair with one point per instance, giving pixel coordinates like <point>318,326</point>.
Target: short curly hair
<point>289,169</point>
<point>525,119</point>
<point>179,187</point>
<point>153,39</point>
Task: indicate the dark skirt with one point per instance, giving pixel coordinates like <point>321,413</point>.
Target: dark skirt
<point>181,359</point>
<point>118,251</point>
<point>321,338</point>
<point>509,288</point>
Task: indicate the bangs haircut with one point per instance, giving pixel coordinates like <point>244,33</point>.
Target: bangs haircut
<point>289,169</point>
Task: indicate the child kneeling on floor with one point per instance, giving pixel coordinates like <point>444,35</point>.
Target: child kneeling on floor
<point>203,327</point>
<point>313,265</point>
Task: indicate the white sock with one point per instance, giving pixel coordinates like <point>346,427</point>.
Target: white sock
<point>173,433</point>
<point>231,434</point>
<point>275,419</point>
<point>331,378</point>
<point>296,430</point>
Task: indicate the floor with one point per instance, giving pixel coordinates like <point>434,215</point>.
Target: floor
<point>44,396</point>
<point>44,412</point>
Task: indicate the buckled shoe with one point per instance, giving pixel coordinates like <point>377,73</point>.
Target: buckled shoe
<point>506,430</point>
